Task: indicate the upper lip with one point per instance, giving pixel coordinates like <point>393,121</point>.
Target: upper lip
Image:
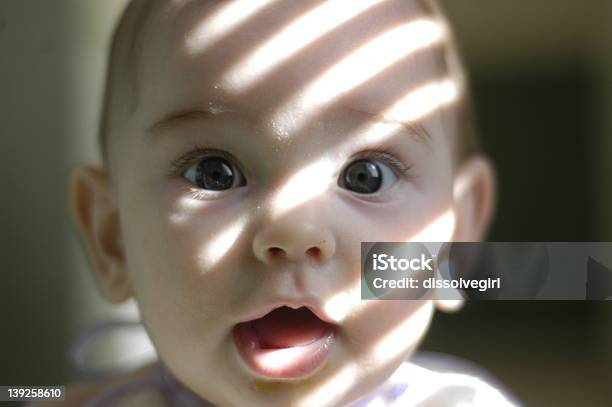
<point>313,305</point>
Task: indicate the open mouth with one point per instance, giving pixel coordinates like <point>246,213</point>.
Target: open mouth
<point>285,343</point>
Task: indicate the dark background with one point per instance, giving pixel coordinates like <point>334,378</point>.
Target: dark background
<point>544,113</point>
<point>542,80</point>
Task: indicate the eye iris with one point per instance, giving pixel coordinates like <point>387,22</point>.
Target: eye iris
<point>215,173</point>
<point>363,176</point>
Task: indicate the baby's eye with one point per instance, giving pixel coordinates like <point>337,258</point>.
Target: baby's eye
<point>366,176</point>
<point>214,173</point>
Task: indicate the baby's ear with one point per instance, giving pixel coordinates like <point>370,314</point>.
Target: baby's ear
<point>473,204</point>
<point>96,213</point>
<point>474,199</point>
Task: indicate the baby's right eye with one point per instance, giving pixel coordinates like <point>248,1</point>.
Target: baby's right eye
<point>214,173</point>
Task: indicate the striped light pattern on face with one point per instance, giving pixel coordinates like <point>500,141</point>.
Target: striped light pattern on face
<point>221,244</point>
<point>315,178</point>
<point>225,20</point>
<point>360,66</point>
<point>292,39</point>
<point>422,101</point>
<point>388,347</point>
<point>393,343</point>
<point>305,185</point>
<point>440,230</point>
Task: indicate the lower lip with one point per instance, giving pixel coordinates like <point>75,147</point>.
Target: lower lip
<point>295,362</point>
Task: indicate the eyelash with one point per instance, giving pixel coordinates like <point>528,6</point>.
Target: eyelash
<point>182,163</point>
<point>387,155</point>
<point>383,153</point>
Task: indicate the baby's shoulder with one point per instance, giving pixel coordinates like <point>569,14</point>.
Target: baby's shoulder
<point>124,389</point>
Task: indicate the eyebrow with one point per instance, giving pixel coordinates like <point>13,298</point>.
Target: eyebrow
<point>415,128</point>
<point>183,116</point>
<point>188,115</point>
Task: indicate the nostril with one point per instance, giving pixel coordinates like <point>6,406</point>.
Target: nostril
<point>314,252</point>
<point>276,252</point>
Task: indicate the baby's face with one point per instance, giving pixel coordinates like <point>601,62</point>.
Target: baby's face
<point>260,155</point>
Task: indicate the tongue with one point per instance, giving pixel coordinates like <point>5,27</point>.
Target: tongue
<point>286,327</point>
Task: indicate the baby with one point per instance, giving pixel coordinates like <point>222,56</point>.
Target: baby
<point>249,147</point>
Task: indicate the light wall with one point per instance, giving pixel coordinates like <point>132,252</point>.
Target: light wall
<point>51,65</point>
<point>86,37</point>
<point>33,285</point>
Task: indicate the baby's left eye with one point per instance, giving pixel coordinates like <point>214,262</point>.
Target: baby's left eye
<point>366,176</point>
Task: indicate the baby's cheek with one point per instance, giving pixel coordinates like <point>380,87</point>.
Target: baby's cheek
<point>179,290</point>
<point>185,306</point>
<point>399,221</point>
<point>201,280</point>
<point>383,331</point>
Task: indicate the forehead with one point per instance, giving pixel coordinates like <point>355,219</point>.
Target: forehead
<point>280,59</point>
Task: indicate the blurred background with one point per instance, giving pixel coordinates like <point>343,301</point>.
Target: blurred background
<point>542,78</point>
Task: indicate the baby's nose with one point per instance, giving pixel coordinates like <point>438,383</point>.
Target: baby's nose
<point>294,240</point>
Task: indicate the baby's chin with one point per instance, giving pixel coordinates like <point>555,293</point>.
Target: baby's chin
<point>341,381</point>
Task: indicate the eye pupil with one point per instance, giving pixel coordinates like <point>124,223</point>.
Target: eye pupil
<point>215,173</point>
<point>363,176</point>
